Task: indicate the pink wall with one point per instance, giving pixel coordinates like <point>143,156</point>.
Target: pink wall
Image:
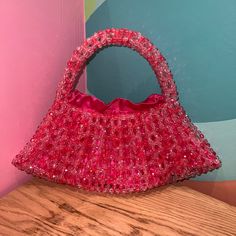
<point>36,39</point>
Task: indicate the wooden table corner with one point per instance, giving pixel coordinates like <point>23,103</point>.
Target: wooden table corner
<point>43,208</point>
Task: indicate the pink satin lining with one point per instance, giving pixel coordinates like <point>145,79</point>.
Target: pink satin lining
<point>118,105</point>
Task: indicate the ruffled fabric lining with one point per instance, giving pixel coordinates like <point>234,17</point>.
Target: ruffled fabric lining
<point>118,105</point>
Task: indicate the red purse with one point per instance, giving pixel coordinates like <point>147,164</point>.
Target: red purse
<point>121,146</point>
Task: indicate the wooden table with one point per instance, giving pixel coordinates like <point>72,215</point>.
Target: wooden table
<point>42,208</point>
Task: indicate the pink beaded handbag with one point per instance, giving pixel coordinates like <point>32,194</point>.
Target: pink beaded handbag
<point>122,146</point>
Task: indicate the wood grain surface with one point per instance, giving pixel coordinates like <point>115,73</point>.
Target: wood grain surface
<point>42,208</point>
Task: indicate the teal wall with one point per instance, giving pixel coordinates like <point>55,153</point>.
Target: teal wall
<point>198,39</point>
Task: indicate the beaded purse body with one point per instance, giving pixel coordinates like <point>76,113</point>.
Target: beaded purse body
<point>122,146</point>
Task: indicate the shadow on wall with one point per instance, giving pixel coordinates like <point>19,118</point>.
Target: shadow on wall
<point>196,37</point>
<point>224,190</point>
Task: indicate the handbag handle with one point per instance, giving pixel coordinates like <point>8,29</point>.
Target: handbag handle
<point>118,37</point>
